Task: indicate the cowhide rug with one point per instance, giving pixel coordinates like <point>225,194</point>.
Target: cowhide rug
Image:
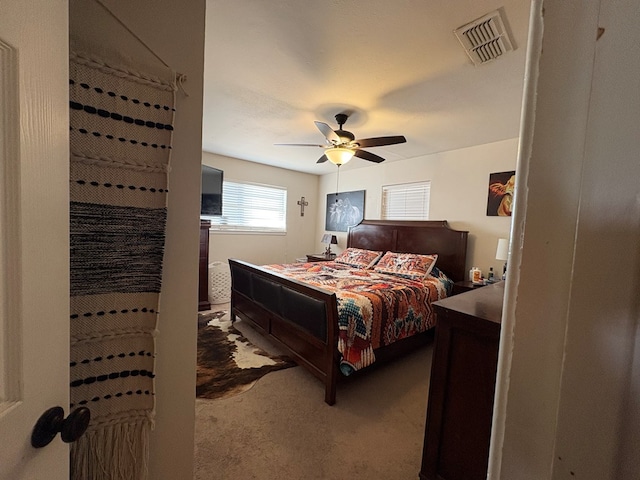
<point>227,363</point>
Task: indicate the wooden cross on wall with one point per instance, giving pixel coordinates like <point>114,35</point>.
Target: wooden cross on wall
<point>302,204</point>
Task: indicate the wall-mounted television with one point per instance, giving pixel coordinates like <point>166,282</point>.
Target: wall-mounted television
<point>211,204</point>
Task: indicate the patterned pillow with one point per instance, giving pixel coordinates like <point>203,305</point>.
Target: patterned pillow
<point>409,265</point>
<point>358,257</point>
<point>446,281</point>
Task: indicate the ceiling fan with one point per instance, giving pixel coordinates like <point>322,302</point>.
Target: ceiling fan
<point>342,145</point>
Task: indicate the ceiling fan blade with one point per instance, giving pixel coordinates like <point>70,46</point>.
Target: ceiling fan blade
<point>328,132</point>
<point>322,159</point>
<point>299,145</point>
<point>368,156</point>
<point>380,141</point>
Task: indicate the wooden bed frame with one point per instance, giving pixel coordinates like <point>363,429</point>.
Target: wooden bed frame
<point>303,319</point>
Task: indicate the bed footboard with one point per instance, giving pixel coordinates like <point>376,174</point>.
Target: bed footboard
<point>299,317</point>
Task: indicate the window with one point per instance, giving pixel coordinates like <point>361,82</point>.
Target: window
<point>406,201</point>
<point>248,207</point>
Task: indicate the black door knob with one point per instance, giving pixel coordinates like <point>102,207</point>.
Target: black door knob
<point>52,421</point>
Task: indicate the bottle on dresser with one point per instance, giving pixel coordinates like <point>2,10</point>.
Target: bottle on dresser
<point>475,275</point>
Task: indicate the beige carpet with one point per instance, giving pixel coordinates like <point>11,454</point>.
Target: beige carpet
<point>282,429</point>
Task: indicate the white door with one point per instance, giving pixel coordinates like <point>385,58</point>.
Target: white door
<point>34,229</point>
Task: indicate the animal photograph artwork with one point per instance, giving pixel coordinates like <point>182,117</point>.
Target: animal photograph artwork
<point>344,210</point>
<point>501,190</point>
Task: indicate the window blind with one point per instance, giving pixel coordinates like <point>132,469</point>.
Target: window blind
<point>249,207</point>
<point>406,201</point>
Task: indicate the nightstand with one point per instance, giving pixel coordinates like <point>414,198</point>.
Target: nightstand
<point>464,286</point>
<point>320,257</point>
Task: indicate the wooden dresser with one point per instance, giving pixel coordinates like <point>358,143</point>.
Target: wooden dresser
<point>462,386</point>
<point>203,269</point>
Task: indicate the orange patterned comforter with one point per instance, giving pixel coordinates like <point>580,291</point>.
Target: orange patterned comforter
<point>374,309</point>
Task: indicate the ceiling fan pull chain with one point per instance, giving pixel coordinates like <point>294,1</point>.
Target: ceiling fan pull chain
<point>337,182</point>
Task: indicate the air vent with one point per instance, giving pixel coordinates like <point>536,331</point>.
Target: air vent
<point>485,39</point>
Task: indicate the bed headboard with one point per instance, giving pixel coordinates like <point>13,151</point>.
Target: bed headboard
<point>425,237</point>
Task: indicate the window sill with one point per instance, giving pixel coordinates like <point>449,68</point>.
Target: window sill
<point>244,232</point>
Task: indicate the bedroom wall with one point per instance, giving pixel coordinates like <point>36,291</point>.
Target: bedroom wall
<point>459,182</point>
<point>268,248</point>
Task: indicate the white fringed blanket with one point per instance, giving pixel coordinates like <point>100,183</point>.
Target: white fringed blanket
<point>121,125</point>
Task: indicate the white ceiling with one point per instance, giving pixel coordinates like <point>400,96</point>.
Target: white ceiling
<point>273,67</point>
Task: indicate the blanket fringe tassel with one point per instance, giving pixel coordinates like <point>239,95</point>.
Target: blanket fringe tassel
<point>118,451</point>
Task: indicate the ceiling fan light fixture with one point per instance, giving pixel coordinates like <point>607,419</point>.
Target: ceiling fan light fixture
<point>342,145</point>
<point>339,155</point>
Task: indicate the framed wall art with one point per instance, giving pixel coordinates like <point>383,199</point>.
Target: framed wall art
<point>500,196</point>
<point>344,210</point>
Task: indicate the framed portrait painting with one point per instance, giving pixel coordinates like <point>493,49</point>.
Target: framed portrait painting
<point>344,210</point>
<point>500,199</point>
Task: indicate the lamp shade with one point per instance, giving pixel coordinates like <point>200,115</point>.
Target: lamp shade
<point>502,252</point>
<point>328,238</point>
<point>338,155</point>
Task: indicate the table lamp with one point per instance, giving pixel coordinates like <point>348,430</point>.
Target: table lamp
<point>330,240</point>
<point>502,253</point>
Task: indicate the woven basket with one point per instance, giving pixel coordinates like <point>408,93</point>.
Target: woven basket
<point>219,283</point>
